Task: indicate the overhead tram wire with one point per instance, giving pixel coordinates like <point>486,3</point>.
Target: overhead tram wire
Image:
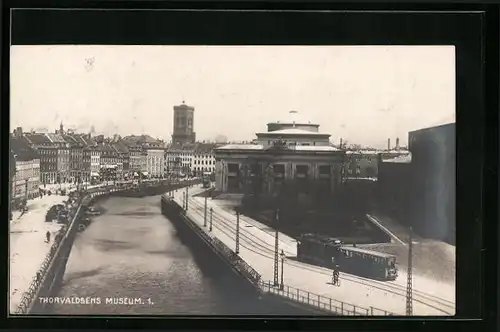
<point>385,286</point>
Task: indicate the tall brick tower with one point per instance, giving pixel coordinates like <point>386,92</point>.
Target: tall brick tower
<point>183,124</point>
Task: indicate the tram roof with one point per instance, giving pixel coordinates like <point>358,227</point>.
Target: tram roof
<point>368,252</point>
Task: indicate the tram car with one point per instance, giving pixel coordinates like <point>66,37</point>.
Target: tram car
<point>329,252</point>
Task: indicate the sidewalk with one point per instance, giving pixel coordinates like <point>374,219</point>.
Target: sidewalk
<point>27,247</point>
<point>432,259</point>
<point>257,249</point>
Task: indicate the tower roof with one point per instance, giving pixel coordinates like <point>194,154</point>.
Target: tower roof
<point>183,106</point>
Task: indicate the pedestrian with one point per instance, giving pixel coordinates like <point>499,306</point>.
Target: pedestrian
<point>47,236</point>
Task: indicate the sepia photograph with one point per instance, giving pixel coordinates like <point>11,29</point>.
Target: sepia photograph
<point>232,180</point>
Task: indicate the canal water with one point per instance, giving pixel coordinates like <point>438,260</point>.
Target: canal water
<point>130,260</point>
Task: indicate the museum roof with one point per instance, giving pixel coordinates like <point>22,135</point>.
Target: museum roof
<point>257,147</point>
<point>294,117</point>
<point>292,131</point>
<point>315,148</point>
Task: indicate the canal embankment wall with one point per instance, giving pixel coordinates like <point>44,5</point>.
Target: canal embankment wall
<point>54,267</point>
<point>216,256</point>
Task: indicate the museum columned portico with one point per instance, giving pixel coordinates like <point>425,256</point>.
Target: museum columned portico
<point>292,158</point>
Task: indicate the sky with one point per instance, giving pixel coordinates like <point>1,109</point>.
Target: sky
<point>363,94</point>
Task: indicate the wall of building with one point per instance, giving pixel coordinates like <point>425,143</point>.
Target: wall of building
<point>203,162</point>
<point>26,179</point>
<point>230,170</point>
<point>394,187</point>
<point>155,162</point>
<point>268,140</point>
<point>434,160</point>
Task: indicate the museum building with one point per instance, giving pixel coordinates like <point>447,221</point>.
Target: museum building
<point>291,151</point>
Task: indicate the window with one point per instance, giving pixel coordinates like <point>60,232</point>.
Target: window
<point>232,168</point>
<point>279,170</point>
<point>301,171</point>
<point>324,169</point>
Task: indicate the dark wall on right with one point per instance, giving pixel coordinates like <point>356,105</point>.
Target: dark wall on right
<point>433,181</point>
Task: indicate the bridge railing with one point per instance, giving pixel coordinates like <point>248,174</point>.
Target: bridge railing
<point>29,296</point>
<point>236,261</point>
<point>327,304</point>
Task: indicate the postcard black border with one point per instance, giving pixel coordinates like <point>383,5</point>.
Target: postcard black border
<point>477,131</point>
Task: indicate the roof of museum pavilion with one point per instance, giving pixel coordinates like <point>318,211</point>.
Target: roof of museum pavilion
<point>292,131</point>
<point>293,117</point>
<point>260,147</point>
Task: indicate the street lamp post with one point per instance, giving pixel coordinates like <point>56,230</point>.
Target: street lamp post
<point>237,232</point>
<point>205,213</point>
<point>409,281</point>
<point>276,244</point>
<point>282,255</point>
<point>187,198</point>
<point>26,191</point>
<point>211,213</point>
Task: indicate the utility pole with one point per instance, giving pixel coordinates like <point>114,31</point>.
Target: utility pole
<point>205,213</point>
<point>276,244</point>
<point>26,191</point>
<point>282,286</point>
<point>184,201</point>
<point>237,232</point>
<point>409,285</point>
<point>211,213</point>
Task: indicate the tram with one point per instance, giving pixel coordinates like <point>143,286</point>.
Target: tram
<point>328,252</point>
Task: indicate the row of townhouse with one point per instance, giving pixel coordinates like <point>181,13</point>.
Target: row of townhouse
<point>68,157</point>
<point>147,155</point>
<point>194,158</point>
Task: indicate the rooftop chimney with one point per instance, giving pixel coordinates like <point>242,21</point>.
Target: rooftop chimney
<point>397,144</point>
<point>389,144</point>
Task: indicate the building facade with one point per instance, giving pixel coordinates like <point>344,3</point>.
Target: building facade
<point>95,162</point>
<point>179,158</point>
<point>47,152</point>
<point>419,189</point>
<point>87,163</point>
<point>434,176</point>
<point>292,154</point>
<point>364,163</point>
<point>155,161</point>
<point>183,124</point>
<point>109,160</point>
<point>76,147</point>
<point>26,180</point>
<point>124,159</point>
<point>203,158</point>
<point>63,156</point>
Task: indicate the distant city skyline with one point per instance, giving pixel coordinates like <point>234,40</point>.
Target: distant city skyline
<point>364,94</point>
